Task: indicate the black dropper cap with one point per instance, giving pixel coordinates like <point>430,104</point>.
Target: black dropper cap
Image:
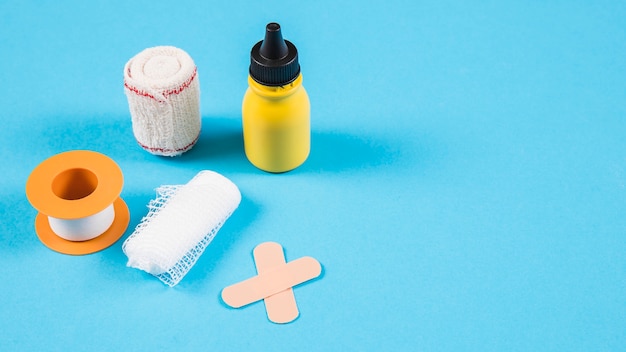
<point>274,61</point>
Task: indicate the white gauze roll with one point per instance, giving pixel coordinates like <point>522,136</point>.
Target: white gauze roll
<point>163,92</point>
<point>181,222</point>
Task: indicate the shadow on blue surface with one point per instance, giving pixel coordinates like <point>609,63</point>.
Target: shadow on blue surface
<point>220,138</point>
<point>337,152</point>
<point>219,147</point>
<point>221,144</point>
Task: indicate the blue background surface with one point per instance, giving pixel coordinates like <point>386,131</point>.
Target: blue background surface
<point>466,188</point>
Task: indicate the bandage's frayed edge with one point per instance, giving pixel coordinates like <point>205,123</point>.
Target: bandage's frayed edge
<point>176,273</point>
<point>169,152</point>
<point>173,275</point>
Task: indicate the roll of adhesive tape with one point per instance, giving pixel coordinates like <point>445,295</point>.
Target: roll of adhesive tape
<point>163,92</point>
<point>77,194</point>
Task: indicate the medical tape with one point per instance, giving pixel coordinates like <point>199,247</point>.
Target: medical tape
<point>77,195</point>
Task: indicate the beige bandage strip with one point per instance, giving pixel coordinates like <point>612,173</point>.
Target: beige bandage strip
<point>273,283</point>
<point>281,307</point>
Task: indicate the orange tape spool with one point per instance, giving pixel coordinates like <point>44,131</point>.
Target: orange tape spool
<point>77,194</point>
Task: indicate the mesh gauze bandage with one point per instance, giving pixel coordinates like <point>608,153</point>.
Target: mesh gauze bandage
<point>181,222</point>
<point>163,92</point>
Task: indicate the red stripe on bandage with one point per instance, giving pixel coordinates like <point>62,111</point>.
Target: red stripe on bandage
<point>166,93</point>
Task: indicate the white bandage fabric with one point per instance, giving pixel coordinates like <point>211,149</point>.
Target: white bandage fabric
<point>163,92</point>
<point>180,224</point>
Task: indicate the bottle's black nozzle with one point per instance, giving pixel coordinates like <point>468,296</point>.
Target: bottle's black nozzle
<point>273,46</point>
<point>274,61</point>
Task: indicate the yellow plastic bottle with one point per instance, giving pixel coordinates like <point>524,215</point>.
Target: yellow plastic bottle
<point>276,110</point>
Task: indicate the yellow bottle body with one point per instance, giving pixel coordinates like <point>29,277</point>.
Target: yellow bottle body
<point>276,125</point>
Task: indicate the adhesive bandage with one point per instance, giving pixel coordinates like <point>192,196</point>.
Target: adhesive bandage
<point>180,224</point>
<point>77,196</point>
<point>163,92</point>
<point>280,307</point>
<point>274,283</point>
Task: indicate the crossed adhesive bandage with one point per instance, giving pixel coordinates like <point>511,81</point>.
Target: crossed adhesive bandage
<point>274,282</point>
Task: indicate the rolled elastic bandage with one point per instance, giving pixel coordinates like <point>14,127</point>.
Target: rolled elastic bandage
<point>162,88</point>
<point>274,283</point>
<point>180,224</point>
